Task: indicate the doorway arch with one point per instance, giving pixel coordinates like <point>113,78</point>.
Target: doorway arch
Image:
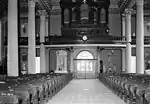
<point>85,65</point>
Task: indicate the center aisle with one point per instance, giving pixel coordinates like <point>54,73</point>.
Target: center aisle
<point>90,91</point>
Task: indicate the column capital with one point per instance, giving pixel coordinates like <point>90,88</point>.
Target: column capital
<point>139,2</point>
<point>128,12</point>
<point>31,3</point>
<point>123,16</point>
<point>42,13</point>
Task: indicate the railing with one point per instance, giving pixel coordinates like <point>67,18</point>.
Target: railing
<point>24,41</point>
<point>77,38</point>
<point>97,39</point>
<point>146,40</point>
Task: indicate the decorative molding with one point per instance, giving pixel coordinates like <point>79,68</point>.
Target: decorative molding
<point>42,13</point>
<point>114,11</point>
<point>31,3</point>
<point>128,12</point>
<point>139,2</point>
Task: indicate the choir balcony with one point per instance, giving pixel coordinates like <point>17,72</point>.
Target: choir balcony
<point>73,36</point>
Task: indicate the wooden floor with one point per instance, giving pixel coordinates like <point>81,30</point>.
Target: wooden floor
<point>90,91</point>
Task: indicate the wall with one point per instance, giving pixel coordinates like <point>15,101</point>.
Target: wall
<point>24,56</point>
<point>133,28</point>
<point>24,27</point>
<point>23,59</point>
<point>116,59</point>
<point>55,25</point>
<point>114,24</point>
<point>53,60</point>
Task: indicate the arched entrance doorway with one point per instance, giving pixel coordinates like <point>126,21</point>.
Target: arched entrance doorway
<point>85,65</point>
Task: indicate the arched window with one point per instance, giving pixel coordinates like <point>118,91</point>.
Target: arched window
<point>85,61</point>
<point>85,55</point>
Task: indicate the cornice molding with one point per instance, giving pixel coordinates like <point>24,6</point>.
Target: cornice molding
<point>126,4</point>
<point>114,11</point>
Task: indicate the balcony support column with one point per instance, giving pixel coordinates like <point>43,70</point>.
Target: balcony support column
<point>31,37</point>
<point>12,54</point>
<point>139,37</point>
<point>43,15</point>
<point>128,44</point>
<point>123,50</point>
<point>47,59</point>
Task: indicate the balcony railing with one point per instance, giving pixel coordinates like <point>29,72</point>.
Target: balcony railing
<point>23,41</point>
<point>146,40</point>
<point>93,39</point>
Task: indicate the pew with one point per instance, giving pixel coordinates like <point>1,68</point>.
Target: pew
<point>31,89</point>
<point>132,88</point>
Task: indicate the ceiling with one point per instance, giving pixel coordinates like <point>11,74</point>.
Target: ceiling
<point>116,6</point>
<point>53,6</point>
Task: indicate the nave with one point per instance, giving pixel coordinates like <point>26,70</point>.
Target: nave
<point>85,91</point>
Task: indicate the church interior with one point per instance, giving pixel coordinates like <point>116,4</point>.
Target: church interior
<point>74,51</point>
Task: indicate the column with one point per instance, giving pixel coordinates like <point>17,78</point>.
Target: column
<point>98,15</point>
<point>123,26</point>
<point>71,62</point>
<point>98,63</point>
<point>70,17</point>
<point>42,14</point>
<point>91,14</point>
<point>1,40</point>
<point>123,49</point>
<point>128,44</point>
<point>62,17</point>
<point>139,37</point>
<point>65,63</point>
<point>106,15</point>
<point>123,59</point>
<point>42,59</point>
<point>78,15</point>
<point>47,27</point>
<point>68,61</point>
<point>43,26</point>
<point>31,38</point>
<point>49,30</point>
<point>47,60</point>
<point>12,55</point>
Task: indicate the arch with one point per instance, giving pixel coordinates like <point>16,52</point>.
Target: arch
<point>85,65</point>
<point>85,55</point>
